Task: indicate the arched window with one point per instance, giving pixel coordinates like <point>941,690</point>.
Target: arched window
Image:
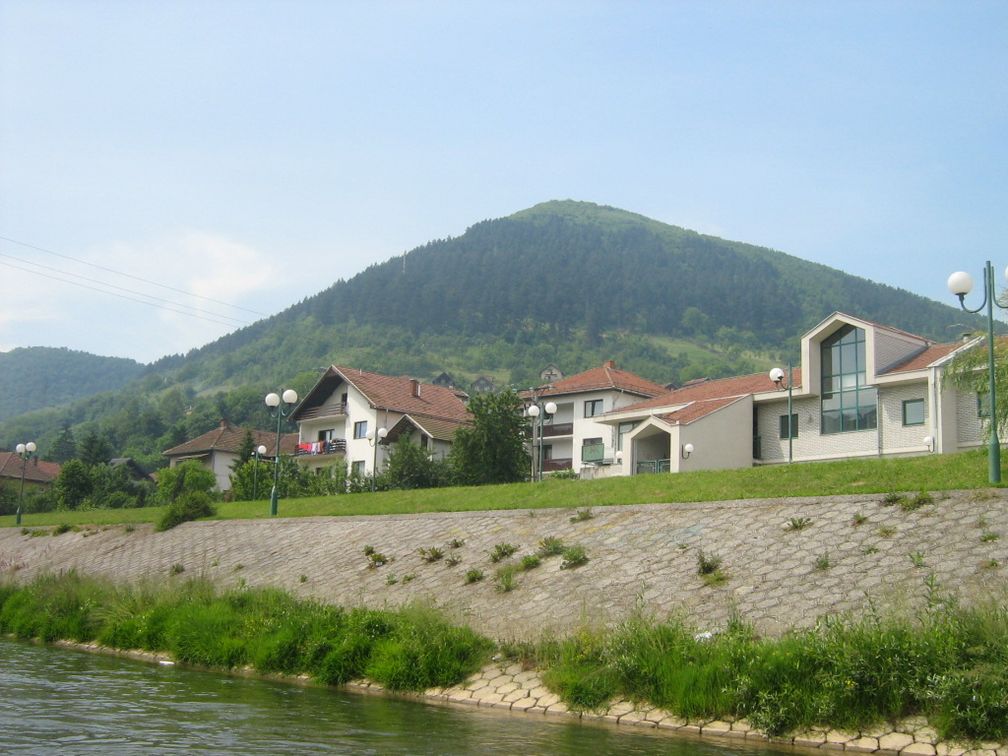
<point>847,403</point>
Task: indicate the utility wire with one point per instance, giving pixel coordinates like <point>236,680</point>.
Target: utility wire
<point>236,321</point>
<point>127,275</point>
<point>114,294</point>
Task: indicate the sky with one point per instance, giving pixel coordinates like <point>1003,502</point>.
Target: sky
<point>171,171</point>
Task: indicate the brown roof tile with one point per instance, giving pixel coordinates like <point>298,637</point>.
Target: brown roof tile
<point>922,359</point>
<point>36,470</point>
<point>228,438</point>
<point>608,376</point>
<point>719,388</point>
<point>696,410</point>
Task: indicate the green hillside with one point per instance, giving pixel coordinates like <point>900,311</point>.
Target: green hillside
<point>568,283</point>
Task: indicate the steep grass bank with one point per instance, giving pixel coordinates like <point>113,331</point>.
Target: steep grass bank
<point>966,470</point>
<point>947,663</point>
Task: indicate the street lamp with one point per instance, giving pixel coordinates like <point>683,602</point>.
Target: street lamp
<point>539,416</point>
<point>375,439</point>
<point>25,451</point>
<point>777,376</point>
<point>961,284</point>
<point>260,450</point>
<point>290,398</point>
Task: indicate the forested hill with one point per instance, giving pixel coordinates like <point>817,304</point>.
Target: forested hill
<point>568,283</point>
<point>37,377</point>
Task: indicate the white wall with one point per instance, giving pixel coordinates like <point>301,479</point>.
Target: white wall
<point>721,440</point>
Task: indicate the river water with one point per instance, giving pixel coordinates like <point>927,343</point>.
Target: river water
<point>55,700</point>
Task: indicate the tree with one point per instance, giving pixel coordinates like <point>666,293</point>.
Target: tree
<point>409,466</point>
<point>94,449</point>
<point>73,485</point>
<point>492,449</point>
<point>245,451</point>
<point>64,448</point>
<point>184,478</point>
<point>968,371</point>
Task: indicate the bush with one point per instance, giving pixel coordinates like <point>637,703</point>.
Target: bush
<point>190,506</point>
<point>188,477</point>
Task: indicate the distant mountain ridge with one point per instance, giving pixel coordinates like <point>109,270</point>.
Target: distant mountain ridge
<point>563,282</point>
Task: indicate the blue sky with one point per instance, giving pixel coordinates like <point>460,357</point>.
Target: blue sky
<point>255,152</point>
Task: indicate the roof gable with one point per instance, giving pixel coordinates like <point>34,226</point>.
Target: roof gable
<point>606,377</point>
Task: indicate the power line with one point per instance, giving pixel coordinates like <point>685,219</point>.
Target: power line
<point>236,321</point>
<point>121,296</point>
<point>127,275</point>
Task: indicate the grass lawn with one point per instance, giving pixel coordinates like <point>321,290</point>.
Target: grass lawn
<point>871,475</point>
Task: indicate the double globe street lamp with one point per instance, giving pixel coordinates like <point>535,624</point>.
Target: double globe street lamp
<point>290,398</point>
<point>539,416</point>
<point>375,438</point>
<point>961,284</point>
<point>25,451</point>
<point>259,452</point>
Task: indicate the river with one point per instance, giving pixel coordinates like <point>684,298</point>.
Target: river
<point>54,700</point>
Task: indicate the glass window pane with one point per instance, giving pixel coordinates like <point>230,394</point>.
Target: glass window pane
<point>913,412</point>
<point>831,422</point>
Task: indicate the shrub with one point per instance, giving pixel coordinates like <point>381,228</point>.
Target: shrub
<point>573,556</point>
<point>189,506</point>
<point>550,546</point>
<point>502,551</point>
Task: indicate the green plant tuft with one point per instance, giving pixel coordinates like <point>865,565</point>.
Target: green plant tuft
<point>502,551</point>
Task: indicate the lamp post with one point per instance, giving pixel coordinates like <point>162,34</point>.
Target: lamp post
<point>25,451</point>
<point>539,415</point>
<point>290,398</point>
<point>961,284</point>
<point>260,450</point>
<point>777,376</point>
<point>374,439</point>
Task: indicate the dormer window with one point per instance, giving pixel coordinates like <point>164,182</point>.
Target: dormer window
<point>848,403</point>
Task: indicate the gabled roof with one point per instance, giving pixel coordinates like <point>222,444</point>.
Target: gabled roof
<point>844,317</point>
<point>606,377</point>
<point>924,358</point>
<point>696,410</point>
<point>398,394</point>
<point>228,438</point>
<point>35,470</point>
<point>438,428</point>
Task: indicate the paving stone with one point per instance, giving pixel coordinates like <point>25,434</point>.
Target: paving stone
<point>921,749</point>
<point>895,741</point>
<point>522,704</point>
<point>862,745</point>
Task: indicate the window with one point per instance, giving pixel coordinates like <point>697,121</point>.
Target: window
<point>360,429</point>
<point>913,412</point>
<point>326,435</point>
<point>983,405</point>
<point>547,452</point>
<point>621,430</point>
<point>592,450</point>
<point>848,404</point>
<point>593,407</point>
<point>357,468</point>
<point>784,426</point>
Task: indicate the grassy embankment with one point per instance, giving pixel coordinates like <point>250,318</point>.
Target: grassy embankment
<point>870,475</point>
<point>950,664</point>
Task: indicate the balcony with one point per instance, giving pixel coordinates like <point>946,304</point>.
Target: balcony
<point>556,464</point>
<point>558,429</point>
<point>654,466</point>
<point>330,410</point>
<point>318,448</point>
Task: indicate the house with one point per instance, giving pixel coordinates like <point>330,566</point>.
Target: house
<point>37,473</point>
<point>218,449</point>
<point>573,437</point>
<point>484,384</point>
<point>340,416</point>
<point>445,380</point>
<point>550,374</point>
<point>862,389</point>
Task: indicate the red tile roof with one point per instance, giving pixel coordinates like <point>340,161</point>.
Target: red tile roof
<point>439,428</point>
<point>229,438</point>
<point>696,410</point>
<point>608,376</point>
<point>398,394</point>
<point>719,388</point>
<point>921,360</point>
<point>35,471</point>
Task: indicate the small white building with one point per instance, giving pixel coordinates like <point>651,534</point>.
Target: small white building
<point>341,419</point>
<point>862,389</point>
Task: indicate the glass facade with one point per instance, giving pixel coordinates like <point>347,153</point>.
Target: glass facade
<point>848,404</point>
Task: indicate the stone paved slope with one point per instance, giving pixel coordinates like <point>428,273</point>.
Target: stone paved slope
<point>639,556</point>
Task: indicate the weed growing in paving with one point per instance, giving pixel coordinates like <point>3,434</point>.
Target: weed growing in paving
<point>582,515</point>
<point>530,562</point>
<point>177,569</point>
<point>453,560</point>
<point>502,551</point>
<point>550,546</point>
<point>303,578</point>
<point>431,554</point>
<point>62,528</point>
<point>506,579</point>
<point>573,556</point>
<point>917,558</point>
<point>869,549</point>
<point>990,564</point>
<point>916,502</point>
<point>980,523</point>
<point>375,558</point>
<point>473,576</point>
<point>822,562</point>
<point>391,579</point>
<point>886,531</point>
<point>892,498</point>
<point>797,523</point>
<point>988,536</point>
<point>456,543</point>
<point>859,519</point>
<point>409,577</point>
<point>709,569</point>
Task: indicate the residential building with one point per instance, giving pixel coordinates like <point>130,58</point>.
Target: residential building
<point>573,437</point>
<point>37,472</point>
<point>862,389</point>
<point>347,404</point>
<point>218,449</point>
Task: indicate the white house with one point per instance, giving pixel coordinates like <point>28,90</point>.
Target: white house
<point>351,415</point>
<point>574,436</point>
<point>863,389</point>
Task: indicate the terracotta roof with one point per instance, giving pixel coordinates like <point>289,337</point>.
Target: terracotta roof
<point>719,388</point>
<point>398,394</point>
<point>228,438</point>
<point>438,428</point>
<point>36,470</point>
<point>608,376</point>
<point>922,359</point>
<point>696,410</point>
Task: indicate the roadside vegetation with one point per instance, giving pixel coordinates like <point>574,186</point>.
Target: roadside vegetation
<point>948,663</point>
<point>859,476</point>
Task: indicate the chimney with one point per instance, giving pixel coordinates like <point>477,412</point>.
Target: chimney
<point>414,387</point>
<point>611,364</point>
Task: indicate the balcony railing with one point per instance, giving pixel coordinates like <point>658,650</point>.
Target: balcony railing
<point>592,452</point>
<point>336,446</point>
<point>654,466</point>
<point>331,410</point>
<point>558,429</point>
<point>557,463</point>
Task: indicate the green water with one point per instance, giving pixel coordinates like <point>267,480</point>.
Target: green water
<point>59,701</point>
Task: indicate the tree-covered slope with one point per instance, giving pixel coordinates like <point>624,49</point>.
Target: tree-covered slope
<point>37,377</point>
